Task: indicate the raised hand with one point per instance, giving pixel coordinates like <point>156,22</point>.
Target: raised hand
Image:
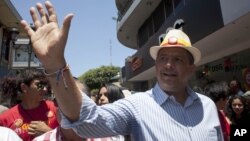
<point>48,43</point>
<point>48,40</point>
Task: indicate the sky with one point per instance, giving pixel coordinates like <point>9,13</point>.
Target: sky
<point>92,40</point>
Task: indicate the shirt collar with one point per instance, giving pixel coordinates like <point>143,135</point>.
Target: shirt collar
<point>160,96</point>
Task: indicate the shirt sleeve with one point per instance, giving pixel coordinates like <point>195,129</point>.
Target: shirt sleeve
<point>100,121</point>
<point>8,134</point>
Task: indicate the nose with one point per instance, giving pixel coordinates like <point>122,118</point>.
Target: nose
<point>169,64</point>
<point>102,98</point>
<point>45,89</point>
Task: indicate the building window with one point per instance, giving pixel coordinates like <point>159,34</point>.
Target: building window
<point>143,34</point>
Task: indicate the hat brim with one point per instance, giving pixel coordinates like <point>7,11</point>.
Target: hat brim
<point>194,51</point>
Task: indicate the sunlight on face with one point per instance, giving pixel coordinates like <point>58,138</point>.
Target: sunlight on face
<point>103,96</point>
<point>173,68</point>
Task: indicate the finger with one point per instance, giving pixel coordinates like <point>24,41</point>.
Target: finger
<point>33,126</point>
<point>31,129</point>
<point>66,25</point>
<point>34,122</point>
<point>31,132</point>
<point>27,28</point>
<point>35,17</point>
<point>43,14</point>
<point>51,12</point>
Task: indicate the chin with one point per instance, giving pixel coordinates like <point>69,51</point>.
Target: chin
<point>167,88</point>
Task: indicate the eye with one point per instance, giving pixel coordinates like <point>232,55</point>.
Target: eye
<point>41,85</point>
<point>162,59</point>
<point>106,94</point>
<point>178,59</point>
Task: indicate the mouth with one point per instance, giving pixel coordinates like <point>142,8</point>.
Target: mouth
<point>237,110</point>
<point>167,74</point>
<point>102,103</point>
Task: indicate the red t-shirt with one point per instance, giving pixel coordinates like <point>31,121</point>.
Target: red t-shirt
<point>18,119</point>
<point>225,126</point>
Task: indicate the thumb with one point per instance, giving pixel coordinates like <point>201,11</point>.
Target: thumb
<point>66,25</point>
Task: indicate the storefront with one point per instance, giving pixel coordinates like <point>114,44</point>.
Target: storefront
<point>235,66</point>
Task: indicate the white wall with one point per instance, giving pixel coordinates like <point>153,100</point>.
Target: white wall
<point>233,9</point>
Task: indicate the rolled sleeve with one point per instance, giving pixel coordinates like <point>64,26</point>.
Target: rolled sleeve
<point>100,121</point>
<point>87,105</point>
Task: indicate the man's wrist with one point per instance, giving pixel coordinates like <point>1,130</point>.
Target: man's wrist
<point>54,67</point>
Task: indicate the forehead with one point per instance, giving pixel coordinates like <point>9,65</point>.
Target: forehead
<point>173,51</point>
<point>237,100</point>
<point>35,81</point>
<point>103,90</point>
<point>233,82</point>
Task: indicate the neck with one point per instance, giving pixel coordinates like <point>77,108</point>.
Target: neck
<point>238,116</point>
<point>30,104</point>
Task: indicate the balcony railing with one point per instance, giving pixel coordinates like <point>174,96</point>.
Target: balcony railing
<point>124,9</point>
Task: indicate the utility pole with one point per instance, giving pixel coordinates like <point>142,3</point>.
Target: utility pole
<point>110,51</point>
<point>110,44</point>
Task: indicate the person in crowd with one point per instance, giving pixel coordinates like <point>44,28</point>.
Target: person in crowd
<point>8,90</point>
<point>198,89</point>
<point>8,135</point>
<point>126,92</point>
<point>235,87</point>
<point>246,95</point>
<point>33,116</point>
<point>3,108</point>
<point>219,93</point>
<point>171,110</point>
<point>60,134</point>
<point>93,95</point>
<point>238,112</point>
<point>108,93</point>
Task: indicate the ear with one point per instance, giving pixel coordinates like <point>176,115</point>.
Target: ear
<point>192,69</point>
<point>24,88</point>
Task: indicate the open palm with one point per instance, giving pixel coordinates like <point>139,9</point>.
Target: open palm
<point>48,40</point>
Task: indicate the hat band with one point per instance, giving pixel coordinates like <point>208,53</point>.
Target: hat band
<point>178,42</point>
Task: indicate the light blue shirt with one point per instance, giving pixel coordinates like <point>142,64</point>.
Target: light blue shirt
<point>150,116</point>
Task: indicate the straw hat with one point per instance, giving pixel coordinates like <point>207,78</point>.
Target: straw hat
<point>177,38</point>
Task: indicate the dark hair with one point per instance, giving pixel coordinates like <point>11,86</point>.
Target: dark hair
<point>217,91</point>
<point>9,91</point>
<point>198,89</point>
<point>238,84</point>
<point>8,86</point>
<point>27,76</point>
<point>113,92</point>
<point>230,111</point>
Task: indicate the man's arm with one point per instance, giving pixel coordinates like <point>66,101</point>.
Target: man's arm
<point>48,43</point>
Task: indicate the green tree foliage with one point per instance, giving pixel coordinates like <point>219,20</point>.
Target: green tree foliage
<point>95,77</point>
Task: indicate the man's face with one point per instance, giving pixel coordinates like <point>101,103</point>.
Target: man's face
<point>173,69</point>
<point>233,86</point>
<point>37,89</point>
